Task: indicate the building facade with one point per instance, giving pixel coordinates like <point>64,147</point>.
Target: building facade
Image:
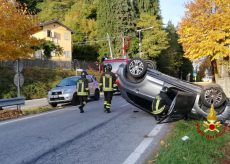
<point>60,35</point>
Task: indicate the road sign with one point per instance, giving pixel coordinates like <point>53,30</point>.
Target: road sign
<point>20,78</point>
<point>18,66</point>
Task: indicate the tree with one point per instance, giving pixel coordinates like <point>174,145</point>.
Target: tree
<point>48,48</point>
<point>149,6</point>
<point>31,5</point>
<point>185,68</point>
<point>82,19</point>
<point>115,17</point>
<point>85,52</point>
<point>205,29</point>
<point>54,9</point>
<point>154,40</point>
<point>170,60</point>
<point>17,27</point>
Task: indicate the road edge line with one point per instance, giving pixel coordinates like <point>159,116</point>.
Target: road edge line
<point>140,149</point>
<point>31,116</point>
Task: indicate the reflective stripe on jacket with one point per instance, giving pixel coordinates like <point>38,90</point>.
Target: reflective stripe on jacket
<point>107,83</point>
<point>81,90</point>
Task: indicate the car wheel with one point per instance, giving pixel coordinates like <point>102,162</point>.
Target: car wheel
<point>53,104</point>
<point>137,67</point>
<point>96,95</point>
<point>213,95</point>
<point>74,100</point>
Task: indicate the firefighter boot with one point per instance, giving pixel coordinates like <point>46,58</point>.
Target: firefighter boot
<point>108,111</point>
<point>108,108</point>
<point>81,109</point>
<point>105,104</point>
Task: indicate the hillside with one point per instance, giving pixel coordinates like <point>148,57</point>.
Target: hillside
<point>91,20</point>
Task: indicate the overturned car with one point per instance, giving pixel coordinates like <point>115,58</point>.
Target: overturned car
<point>163,96</point>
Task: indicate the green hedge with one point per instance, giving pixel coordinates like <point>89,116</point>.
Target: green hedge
<point>37,81</point>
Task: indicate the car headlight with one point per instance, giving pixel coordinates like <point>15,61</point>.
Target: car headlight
<point>66,91</point>
<point>49,93</point>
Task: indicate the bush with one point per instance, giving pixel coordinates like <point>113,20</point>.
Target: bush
<point>35,90</point>
<point>37,81</point>
<point>95,73</point>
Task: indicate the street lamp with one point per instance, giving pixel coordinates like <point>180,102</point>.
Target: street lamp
<point>139,34</point>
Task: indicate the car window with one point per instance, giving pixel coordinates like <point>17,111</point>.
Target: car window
<point>115,65</point>
<point>94,77</point>
<point>90,80</point>
<point>70,81</point>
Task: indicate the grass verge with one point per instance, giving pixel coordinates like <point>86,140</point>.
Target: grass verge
<point>38,110</point>
<point>10,114</point>
<point>197,149</point>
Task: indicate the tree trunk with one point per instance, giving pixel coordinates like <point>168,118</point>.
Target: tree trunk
<point>214,69</point>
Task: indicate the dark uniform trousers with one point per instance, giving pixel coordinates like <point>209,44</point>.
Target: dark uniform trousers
<point>82,89</point>
<point>108,99</point>
<point>107,81</point>
<point>83,101</point>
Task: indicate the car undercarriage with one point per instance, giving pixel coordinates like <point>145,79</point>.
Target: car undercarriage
<point>164,96</point>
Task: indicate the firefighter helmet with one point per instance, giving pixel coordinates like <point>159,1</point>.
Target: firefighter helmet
<point>109,67</point>
<point>83,74</point>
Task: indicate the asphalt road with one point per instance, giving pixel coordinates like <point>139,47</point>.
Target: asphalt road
<point>68,137</point>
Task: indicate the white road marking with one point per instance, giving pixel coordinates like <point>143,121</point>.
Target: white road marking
<point>38,115</point>
<point>136,154</point>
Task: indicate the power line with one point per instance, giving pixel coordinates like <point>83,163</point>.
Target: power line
<point>99,40</point>
<point>85,42</point>
<point>93,41</point>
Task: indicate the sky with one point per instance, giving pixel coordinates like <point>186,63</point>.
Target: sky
<point>172,10</point>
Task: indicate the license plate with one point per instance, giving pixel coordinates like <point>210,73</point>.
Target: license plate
<point>55,96</point>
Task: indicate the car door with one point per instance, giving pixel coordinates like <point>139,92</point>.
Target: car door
<point>91,86</point>
<point>95,83</point>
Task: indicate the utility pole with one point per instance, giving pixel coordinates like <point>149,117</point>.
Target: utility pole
<point>110,48</point>
<point>140,43</point>
<point>123,45</point>
<point>139,34</point>
<point>18,82</point>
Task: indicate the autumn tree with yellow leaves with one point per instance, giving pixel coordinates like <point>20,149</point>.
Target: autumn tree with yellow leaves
<point>205,29</point>
<point>16,29</point>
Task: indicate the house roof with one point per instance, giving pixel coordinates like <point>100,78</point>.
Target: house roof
<point>55,21</point>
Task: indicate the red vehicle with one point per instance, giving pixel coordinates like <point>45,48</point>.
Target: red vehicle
<point>115,65</point>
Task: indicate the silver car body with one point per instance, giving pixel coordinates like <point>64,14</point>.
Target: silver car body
<point>153,83</point>
<point>64,93</point>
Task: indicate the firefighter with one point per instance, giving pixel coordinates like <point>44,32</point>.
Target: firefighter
<point>82,90</point>
<point>107,82</point>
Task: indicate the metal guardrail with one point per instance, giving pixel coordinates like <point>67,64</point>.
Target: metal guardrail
<point>12,101</point>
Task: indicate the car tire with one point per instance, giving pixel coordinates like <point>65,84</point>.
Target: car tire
<point>74,101</point>
<point>213,94</point>
<point>137,68</point>
<point>97,94</point>
<point>53,104</point>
